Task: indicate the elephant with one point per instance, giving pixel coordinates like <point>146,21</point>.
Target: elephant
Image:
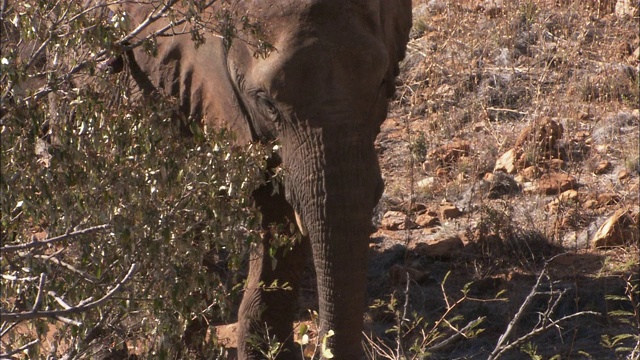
<point>322,93</point>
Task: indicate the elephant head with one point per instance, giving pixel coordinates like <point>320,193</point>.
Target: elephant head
<point>322,94</point>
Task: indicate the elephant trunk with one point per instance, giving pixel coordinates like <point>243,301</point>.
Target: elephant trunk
<point>335,194</point>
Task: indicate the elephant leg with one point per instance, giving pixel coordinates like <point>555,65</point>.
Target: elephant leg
<point>265,308</point>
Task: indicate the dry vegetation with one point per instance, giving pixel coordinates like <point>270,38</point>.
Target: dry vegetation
<point>513,139</point>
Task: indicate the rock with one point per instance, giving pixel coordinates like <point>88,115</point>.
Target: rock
<point>544,132</point>
<point>442,172</point>
<point>530,172</point>
<point>492,8</point>
<point>627,8</point>
<point>603,167</point>
<point>555,183</point>
<point>623,174</point>
<point>507,162</point>
<point>227,335</point>
<point>449,211</point>
<point>619,229</point>
<point>396,220</point>
<point>436,5</point>
<point>428,219</point>
<point>608,198</point>
<point>569,195</point>
<point>555,164</point>
<point>398,274</point>
<point>442,248</point>
<point>590,204</point>
<point>502,184</point>
<point>426,182</point>
<point>451,152</point>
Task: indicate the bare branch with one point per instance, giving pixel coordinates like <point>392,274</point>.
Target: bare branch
<point>82,307</point>
<point>36,304</point>
<point>69,267</point>
<point>53,239</point>
<point>458,334</point>
<point>22,348</point>
<point>516,318</point>
<point>538,331</point>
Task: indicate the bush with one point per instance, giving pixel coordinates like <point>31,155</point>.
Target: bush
<point>118,232</point>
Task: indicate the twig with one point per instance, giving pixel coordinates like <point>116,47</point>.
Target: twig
<point>22,348</point>
<point>516,318</point>
<point>45,242</point>
<point>501,347</point>
<point>508,110</point>
<point>69,267</point>
<point>458,334</point>
<point>36,304</point>
<point>537,331</point>
<point>81,307</point>
<point>401,321</point>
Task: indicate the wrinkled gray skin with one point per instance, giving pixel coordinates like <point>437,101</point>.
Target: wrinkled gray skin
<point>323,94</point>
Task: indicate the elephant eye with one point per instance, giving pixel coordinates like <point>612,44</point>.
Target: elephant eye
<point>267,105</point>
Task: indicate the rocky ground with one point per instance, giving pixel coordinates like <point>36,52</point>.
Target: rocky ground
<point>512,147</point>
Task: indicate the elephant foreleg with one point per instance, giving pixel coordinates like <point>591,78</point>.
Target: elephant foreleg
<point>266,308</point>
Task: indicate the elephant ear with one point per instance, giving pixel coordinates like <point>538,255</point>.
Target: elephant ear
<point>396,22</point>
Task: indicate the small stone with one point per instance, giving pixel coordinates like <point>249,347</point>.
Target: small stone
<point>590,204</point>
<point>479,127</point>
<point>507,162</point>
<point>442,172</point>
<point>227,335</point>
<point>544,132</point>
<point>398,274</point>
<point>396,220</point>
<point>556,164</point>
<point>530,172</point>
<point>426,182</point>
<point>619,229</point>
<point>626,8</point>
<point>565,197</point>
<point>555,183</point>
<point>501,185</point>
<point>603,167</point>
<point>442,248</point>
<point>449,211</point>
<point>428,220</point>
<point>451,152</point>
<point>608,198</point>
<point>623,174</point>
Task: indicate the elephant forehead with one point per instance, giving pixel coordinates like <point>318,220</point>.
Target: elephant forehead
<point>279,16</point>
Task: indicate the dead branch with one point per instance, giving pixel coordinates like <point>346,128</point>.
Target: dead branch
<point>83,306</point>
<point>502,346</point>
<point>20,349</point>
<point>52,240</point>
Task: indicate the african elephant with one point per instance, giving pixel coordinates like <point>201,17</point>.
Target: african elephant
<point>323,94</point>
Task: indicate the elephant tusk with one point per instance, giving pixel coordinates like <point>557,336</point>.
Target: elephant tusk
<point>303,230</point>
